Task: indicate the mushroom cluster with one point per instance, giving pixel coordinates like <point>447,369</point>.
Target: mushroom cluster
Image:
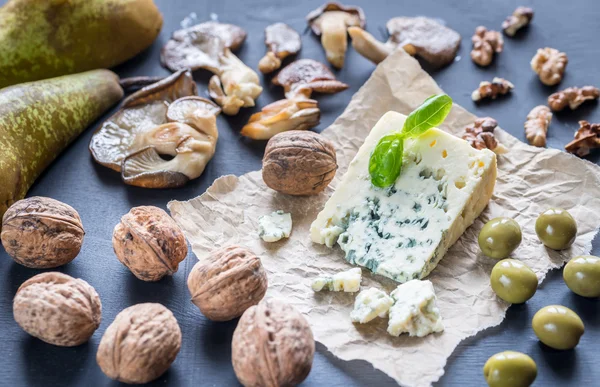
<point>162,136</point>
<point>298,111</point>
<point>209,46</point>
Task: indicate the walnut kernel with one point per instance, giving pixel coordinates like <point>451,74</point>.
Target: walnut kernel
<point>58,309</point>
<point>536,126</point>
<point>140,345</point>
<point>572,97</point>
<point>485,45</point>
<point>228,282</point>
<point>587,138</point>
<point>480,135</point>
<point>42,233</point>
<point>498,86</point>
<point>550,65</point>
<point>299,163</point>
<point>272,346</point>
<point>520,18</point>
<point>149,243</point>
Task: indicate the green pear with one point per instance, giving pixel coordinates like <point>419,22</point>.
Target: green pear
<point>39,119</point>
<point>42,39</point>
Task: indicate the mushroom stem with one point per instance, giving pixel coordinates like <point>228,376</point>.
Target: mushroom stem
<point>333,38</point>
<point>132,84</point>
<point>369,47</point>
<point>269,63</point>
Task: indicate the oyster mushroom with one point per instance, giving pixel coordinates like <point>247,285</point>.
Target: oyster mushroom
<point>282,41</point>
<point>161,137</point>
<point>330,22</point>
<point>297,112</point>
<point>209,46</point>
<point>418,36</point>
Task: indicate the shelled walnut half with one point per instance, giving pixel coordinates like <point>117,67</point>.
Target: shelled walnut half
<point>587,138</point>
<point>572,97</point>
<point>330,22</point>
<point>281,41</point>
<point>486,43</point>
<point>520,18</point>
<point>297,112</point>
<point>161,137</point>
<point>481,135</point>
<point>550,65</point>
<point>498,86</point>
<point>418,36</point>
<point>536,126</point>
<point>272,346</point>
<point>209,46</point>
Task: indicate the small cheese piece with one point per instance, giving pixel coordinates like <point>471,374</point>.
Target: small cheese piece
<point>369,304</point>
<point>403,231</point>
<point>414,311</point>
<point>346,281</point>
<point>275,226</point>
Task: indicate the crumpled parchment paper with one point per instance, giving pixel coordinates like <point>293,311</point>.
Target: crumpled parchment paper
<point>530,180</point>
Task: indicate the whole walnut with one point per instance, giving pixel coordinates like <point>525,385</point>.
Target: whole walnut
<point>140,345</point>
<point>58,309</point>
<point>42,233</point>
<point>299,163</point>
<point>272,346</point>
<point>149,243</point>
<point>228,282</point>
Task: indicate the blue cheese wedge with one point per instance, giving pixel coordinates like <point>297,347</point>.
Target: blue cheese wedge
<point>402,232</point>
<point>369,304</point>
<point>345,281</point>
<point>274,227</point>
<point>414,311</point>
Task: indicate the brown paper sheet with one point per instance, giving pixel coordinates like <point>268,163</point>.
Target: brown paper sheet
<point>530,180</point>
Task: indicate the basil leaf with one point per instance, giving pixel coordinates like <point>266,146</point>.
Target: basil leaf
<point>430,114</point>
<point>385,163</point>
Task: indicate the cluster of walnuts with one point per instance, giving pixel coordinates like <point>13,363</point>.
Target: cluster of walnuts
<point>272,345</point>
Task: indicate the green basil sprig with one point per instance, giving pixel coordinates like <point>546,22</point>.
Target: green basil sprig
<point>385,163</point>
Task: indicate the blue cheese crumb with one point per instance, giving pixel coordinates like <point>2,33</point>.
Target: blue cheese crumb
<point>345,281</point>
<point>414,311</point>
<point>370,304</point>
<point>274,227</point>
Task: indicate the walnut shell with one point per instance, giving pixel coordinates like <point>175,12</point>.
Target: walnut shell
<point>58,309</point>
<point>299,163</point>
<point>42,233</point>
<point>272,345</point>
<point>140,345</point>
<point>149,243</point>
<point>228,282</point>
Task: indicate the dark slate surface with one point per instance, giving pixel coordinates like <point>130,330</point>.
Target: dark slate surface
<point>100,197</point>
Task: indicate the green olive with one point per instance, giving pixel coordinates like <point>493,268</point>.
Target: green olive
<point>499,237</point>
<point>513,281</point>
<point>510,369</point>
<point>558,327</point>
<point>556,228</point>
<point>582,275</point>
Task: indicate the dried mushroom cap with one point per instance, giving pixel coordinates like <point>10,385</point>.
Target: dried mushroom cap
<point>200,46</point>
<point>572,97</point>
<point>304,76</point>
<point>140,344</point>
<point>550,65</point>
<point>282,41</point>
<point>163,135</point>
<point>42,233</point>
<point>536,125</point>
<point>330,21</point>
<point>228,282</point>
<point>299,163</point>
<point>272,346</point>
<point>58,309</point>
<point>426,38</point>
<point>149,242</point>
<point>282,116</point>
<point>587,138</point>
<point>480,135</point>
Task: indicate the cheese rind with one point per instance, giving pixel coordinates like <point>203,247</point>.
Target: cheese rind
<point>274,227</point>
<point>369,304</point>
<point>414,311</point>
<point>402,231</point>
<point>346,281</point>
